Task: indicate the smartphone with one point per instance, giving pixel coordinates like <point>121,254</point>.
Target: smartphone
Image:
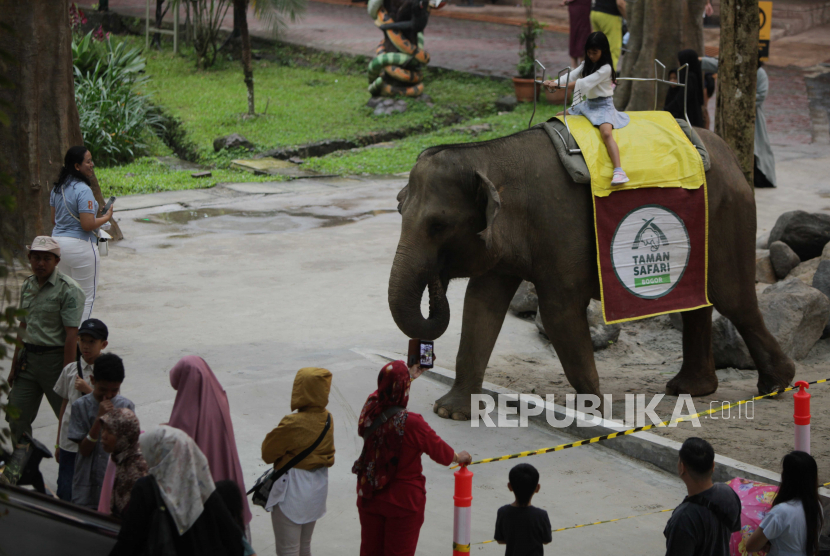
<point>421,352</point>
<point>107,206</point>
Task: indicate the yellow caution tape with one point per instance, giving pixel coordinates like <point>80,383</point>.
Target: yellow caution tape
<point>461,547</point>
<point>635,429</point>
<point>595,523</point>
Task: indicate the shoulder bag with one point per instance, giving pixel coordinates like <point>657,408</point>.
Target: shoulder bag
<point>387,414</point>
<point>160,534</point>
<point>262,488</point>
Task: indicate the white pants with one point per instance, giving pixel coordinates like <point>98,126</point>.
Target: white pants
<point>81,262</point>
<point>291,539</point>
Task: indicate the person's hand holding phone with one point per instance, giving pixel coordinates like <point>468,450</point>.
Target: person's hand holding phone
<point>415,371</point>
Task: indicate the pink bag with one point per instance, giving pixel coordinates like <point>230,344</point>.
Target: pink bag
<point>756,500</point>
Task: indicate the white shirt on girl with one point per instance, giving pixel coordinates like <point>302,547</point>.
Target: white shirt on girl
<point>596,85</point>
<point>785,525</point>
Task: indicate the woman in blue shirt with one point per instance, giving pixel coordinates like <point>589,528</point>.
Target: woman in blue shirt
<point>74,212</point>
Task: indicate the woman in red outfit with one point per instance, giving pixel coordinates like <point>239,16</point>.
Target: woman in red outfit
<point>391,493</point>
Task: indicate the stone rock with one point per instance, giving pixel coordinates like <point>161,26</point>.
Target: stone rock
<point>805,271</point>
<point>602,335</point>
<point>373,102</point>
<point>390,106</point>
<point>676,321</point>
<point>783,258</point>
<point>507,103</point>
<point>762,242</point>
<point>764,272</point>
<point>794,313</point>
<point>825,254</point>
<point>232,141</point>
<point>474,129</point>
<point>821,282</point>
<point>525,300</point>
<point>806,233</point>
<point>821,279</point>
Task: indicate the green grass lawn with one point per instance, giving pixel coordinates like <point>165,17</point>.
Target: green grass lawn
<point>302,96</point>
<point>297,105</point>
<point>402,155</point>
<point>148,175</point>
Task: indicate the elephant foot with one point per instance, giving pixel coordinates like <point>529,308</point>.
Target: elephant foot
<point>454,404</point>
<point>776,380</point>
<point>694,383</point>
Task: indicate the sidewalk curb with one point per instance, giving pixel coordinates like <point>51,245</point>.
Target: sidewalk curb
<point>643,446</point>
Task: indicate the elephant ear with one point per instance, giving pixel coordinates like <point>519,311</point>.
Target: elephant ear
<point>402,194</point>
<point>492,211</point>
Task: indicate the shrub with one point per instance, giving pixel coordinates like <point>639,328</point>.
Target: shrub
<point>96,49</point>
<point>114,114</point>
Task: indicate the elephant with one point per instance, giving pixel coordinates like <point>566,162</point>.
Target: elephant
<point>506,210</point>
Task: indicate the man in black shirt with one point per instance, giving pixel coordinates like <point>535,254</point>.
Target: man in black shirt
<point>522,527</point>
<point>703,523</point>
<point>607,16</point>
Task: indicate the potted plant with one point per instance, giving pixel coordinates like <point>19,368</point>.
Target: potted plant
<point>529,37</point>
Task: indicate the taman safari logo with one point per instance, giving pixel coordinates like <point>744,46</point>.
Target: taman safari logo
<point>653,239</point>
<point>650,250</point>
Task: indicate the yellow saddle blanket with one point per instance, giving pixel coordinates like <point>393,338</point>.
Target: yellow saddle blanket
<point>654,152</point>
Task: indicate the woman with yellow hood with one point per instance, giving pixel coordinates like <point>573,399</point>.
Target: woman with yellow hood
<point>298,498</point>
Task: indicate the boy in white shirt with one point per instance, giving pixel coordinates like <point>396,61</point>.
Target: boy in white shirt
<point>71,385</point>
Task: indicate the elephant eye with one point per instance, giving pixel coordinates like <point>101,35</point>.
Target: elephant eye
<point>437,227</point>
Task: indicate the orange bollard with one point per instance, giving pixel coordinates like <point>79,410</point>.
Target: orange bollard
<point>801,416</point>
<point>462,520</point>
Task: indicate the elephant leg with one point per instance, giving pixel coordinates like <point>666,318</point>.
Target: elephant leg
<point>775,369</point>
<point>485,306</point>
<point>567,328</point>
<point>697,374</point>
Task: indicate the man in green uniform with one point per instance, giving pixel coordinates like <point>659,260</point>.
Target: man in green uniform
<point>54,303</point>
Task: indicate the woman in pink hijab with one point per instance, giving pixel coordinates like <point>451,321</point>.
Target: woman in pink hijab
<point>201,410</point>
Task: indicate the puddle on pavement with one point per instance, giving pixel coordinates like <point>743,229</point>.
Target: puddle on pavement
<point>254,221</point>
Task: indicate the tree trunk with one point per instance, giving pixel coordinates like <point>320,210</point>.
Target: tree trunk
<point>159,20</point>
<point>44,121</point>
<point>240,10</point>
<point>693,25</point>
<point>655,32</point>
<point>735,107</point>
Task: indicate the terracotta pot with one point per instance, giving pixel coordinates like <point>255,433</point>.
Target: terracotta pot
<point>558,96</point>
<point>524,89</point>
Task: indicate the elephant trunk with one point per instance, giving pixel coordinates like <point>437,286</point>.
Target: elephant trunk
<point>406,288</point>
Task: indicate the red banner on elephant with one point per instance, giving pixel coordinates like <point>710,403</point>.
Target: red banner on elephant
<point>653,251</point>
